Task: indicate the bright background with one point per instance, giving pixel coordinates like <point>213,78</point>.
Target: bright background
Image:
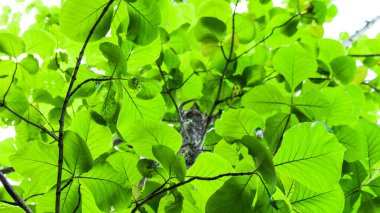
<point>351,17</point>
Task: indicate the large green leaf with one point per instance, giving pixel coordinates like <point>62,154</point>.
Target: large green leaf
<point>329,49</point>
<point>235,123</point>
<point>306,200</point>
<point>208,165</point>
<point>340,108</point>
<point>94,132</point>
<point>262,157</point>
<point>352,141</point>
<point>295,64</point>
<point>371,135</point>
<point>11,44</point>
<point>310,155</point>
<point>109,187</point>
<point>126,163</point>
<point>38,161</point>
<point>77,18</point>
<point>76,153</point>
<point>134,109</point>
<point>138,56</point>
<point>236,195</point>
<point>144,134</point>
<point>265,98</point>
<point>344,68</point>
<point>144,18</point>
<point>169,160</point>
<point>40,42</point>
<point>116,59</point>
<point>275,127</point>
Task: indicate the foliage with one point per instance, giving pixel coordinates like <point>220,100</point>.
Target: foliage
<point>187,106</point>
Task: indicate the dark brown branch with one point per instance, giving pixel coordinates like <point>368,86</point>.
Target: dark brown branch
<point>372,86</point>
<point>184,82</point>
<point>43,116</point>
<point>220,85</point>
<point>365,55</point>
<point>10,85</point>
<point>93,80</point>
<point>173,100</point>
<point>42,128</point>
<point>268,36</point>
<point>65,104</point>
<point>191,179</point>
<point>18,200</point>
<point>7,170</point>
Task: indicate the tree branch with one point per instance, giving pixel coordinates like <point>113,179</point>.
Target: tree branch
<point>365,55</point>
<point>94,80</point>
<point>19,201</point>
<point>65,104</point>
<point>220,87</point>
<point>360,32</point>
<point>191,179</point>
<point>173,100</point>
<point>42,128</point>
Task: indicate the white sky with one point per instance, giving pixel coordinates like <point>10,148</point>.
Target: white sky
<point>352,16</point>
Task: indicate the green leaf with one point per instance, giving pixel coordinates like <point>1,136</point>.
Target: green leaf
<point>168,159</point>
<point>311,155</point>
<point>76,153</point>
<point>144,18</point>
<point>329,50</point>
<point>344,68</point>
<point>295,64</point>
<point>76,19</point>
<point>208,165</point>
<point>116,59</point>
<point>36,158</point>
<point>144,134</point>
<point>340,109</point>
<point>262,157</point>
<point>228,151</point>
<point>306,200</point>
<point>275,127</point>
<point>236,195</point>
<point>40,42</point>
<point>11,44</point>
<point>264,99</point>
<point>235,123</point>
<point>148,89</point>
<point>352,141</point>
<point>126,163</point>
<point>108,187</point>
<point>134,109</point>
<point>97,136</point>
<point>30,64</point>
<point>371,135</point>
<point>138,56</point>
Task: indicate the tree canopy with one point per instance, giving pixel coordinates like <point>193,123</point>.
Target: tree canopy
<point>187,106</point>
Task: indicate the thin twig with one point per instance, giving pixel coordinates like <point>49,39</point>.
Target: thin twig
<point>65,104</point>
<point>42,128</point>
<point>94,80</point>
<point>191,179</point>
<point>43,116</point>
<point>174,101</point>
<point>10,85</point>
<point>365,55</point>
<point>19,201</point>
<point>268,36</point>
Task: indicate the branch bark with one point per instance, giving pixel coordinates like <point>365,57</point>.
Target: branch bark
<point>360,32</point>
<point>19,201</point>
<point>65,104</point>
